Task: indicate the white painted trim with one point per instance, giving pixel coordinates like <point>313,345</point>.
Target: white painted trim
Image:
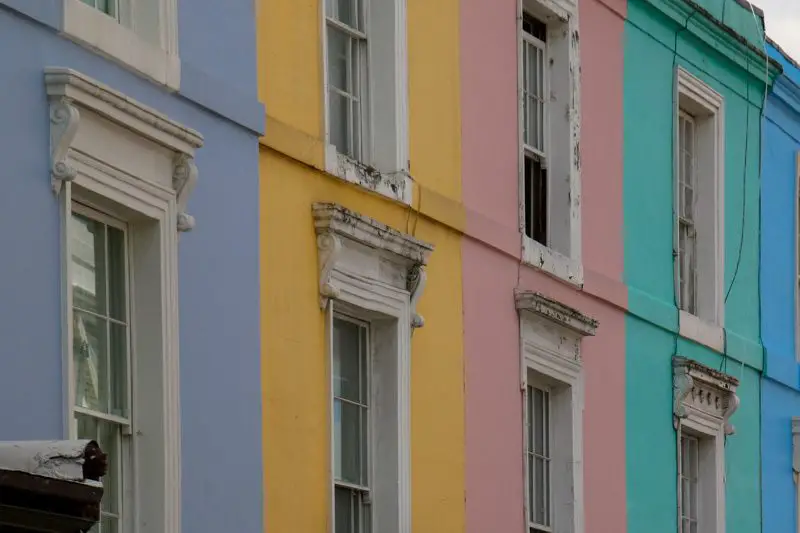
<point>55,459</point>
<point>701,332</point>
<point>712,103</point>
<point>551,262</point>
<point>714,437</point>
<point>84,116</point>
<point>90,27</point>
<point>397,186</point>
<point>365,271</point>
<point>567,268</point>
<point>550,342</point>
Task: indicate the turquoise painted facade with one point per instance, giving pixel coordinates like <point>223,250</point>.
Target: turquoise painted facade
<point>661,35</point>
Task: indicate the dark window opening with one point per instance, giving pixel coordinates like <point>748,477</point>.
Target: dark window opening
<point>535,200</point>
<point>534,27</point>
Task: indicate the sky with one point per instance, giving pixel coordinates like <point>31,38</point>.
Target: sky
<point>782,19</point>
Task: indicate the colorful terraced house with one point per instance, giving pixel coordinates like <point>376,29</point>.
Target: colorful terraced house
<point>695,80</point>
<point>362,323</point>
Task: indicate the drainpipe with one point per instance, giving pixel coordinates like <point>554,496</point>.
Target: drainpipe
<point>796,466</point>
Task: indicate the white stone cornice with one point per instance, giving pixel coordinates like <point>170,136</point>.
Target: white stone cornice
<point>358,246</point>
<point>556,312</point>
<point>703,392</point>
<point>64,83</point>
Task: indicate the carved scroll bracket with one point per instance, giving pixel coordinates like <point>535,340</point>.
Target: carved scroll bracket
<point>704,393</point>
<point>330,250</point>
<point>64,120</point>
<point>184,179</point>
<point>733,405</point>
<point>682,384</point>
<point>415,283</point>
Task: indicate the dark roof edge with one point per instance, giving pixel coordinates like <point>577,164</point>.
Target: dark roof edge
<point>747,5</point>
<point>783,52</point>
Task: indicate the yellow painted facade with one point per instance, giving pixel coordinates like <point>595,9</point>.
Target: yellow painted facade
<point>295,379</point>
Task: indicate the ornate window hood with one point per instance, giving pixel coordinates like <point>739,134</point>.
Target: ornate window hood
<point>91,121</point>
<point>556,312</point>
<point>356,246</point>
<point>703,392</point>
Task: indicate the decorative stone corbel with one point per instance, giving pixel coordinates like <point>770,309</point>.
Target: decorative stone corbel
<point>184,178</point>
<point>64,119</point>
<point>330,249</point>
<point>415,282</point>
<point>682,385</point>
<point>733,405</point>
<point>361,248</point>
<point>704,393</point>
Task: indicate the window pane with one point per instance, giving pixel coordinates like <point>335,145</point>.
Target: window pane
<point>338,109</point>
<point>538,430</point>
<point>117,285</point>
<point>531,489</point>
<point>345,11</point>
<point>346,360</point>
<point>89,346</point>
<point>338,58</point>
<point>109,524</point>
<point>344,506</point>
<point>347,445</point>
<point>118,369</point>
<point>525,91</point>
<point>107,435</point>
<point>540,494</point>
<point>87,240</point>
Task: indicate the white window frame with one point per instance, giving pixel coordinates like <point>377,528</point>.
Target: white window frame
<point>550,343</point>
<point>706,106</point>
<point>366,489</point>
<point>563,167</point>
<point>376,274</point>
<point>119,157</point>
<point>704,401</point>
<point>384,167</point>
<point>124,491</point>
<point>153,55</point>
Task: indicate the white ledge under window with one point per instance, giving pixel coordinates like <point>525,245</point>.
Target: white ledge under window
<point>551,262</point>
<point>698,330</point>
<point>396,186</point>
<point>355,250</point>
<point>120,42</point>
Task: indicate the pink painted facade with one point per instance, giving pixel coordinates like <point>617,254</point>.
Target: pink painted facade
<point>491,259</point>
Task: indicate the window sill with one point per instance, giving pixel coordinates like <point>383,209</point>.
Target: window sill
<point>395,186</point>
<point>94,29</point>
<point>702,332</point>
<point>552,262</point>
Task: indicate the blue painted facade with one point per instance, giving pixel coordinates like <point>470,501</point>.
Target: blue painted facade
<point>218,261</point>
<point>781,386</point>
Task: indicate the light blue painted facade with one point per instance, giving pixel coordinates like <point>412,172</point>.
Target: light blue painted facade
<point>218,261</point>
<point>780,386</point>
